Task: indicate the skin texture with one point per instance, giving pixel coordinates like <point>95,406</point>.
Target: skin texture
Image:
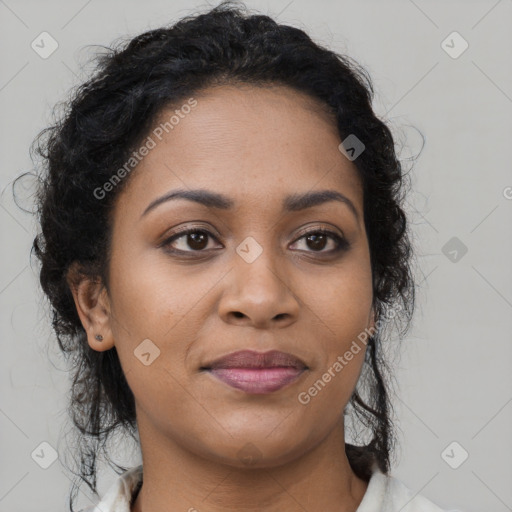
<point>257,146</point>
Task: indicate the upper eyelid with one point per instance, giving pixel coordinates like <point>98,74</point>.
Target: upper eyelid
<point>302,232</point>
<point>305,232</point>
<point>323,226</point>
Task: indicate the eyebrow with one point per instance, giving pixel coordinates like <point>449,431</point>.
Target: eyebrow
<point>291,203</point>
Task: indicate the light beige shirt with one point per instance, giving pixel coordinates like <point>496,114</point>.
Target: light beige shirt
<point>385,493</point>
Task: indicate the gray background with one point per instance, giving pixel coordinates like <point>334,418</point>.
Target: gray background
<point>455,373</point>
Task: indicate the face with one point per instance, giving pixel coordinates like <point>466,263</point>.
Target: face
<point>255,272</point>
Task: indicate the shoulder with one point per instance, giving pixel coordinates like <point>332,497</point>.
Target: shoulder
<point>402,496</point>
<point>385,493</point>
<point>119,495</point>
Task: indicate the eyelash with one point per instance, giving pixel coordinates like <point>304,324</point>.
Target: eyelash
<point>341,243</point>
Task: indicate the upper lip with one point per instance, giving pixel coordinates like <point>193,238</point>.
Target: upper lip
<point>253,359</point>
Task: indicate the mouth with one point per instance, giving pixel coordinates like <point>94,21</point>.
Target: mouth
<point>257,373</point>
<point>257,381</point>
<point>258,360</point>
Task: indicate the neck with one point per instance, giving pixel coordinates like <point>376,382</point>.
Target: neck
<point>178,479</point>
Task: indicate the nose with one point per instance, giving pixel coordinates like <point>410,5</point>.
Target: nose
<point>258,294</point>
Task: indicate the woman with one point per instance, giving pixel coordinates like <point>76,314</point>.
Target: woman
<point>223,243</point>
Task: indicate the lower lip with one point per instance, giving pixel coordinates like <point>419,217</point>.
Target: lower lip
<point>257,380</point>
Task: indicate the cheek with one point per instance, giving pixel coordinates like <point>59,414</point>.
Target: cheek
<point>150,295</point>
<point>342,304</point>
<point>341,314</point>
<point>340,339</point>
<point>157,309</point>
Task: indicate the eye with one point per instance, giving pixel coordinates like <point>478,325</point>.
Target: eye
<point>196,240</point>
<point>193,238</point>
<point>317,239</point>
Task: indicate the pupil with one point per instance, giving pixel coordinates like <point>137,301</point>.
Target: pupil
<point>194,243</point>
<point>315,238</point>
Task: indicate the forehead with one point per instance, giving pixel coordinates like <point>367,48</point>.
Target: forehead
<point>253,144</point>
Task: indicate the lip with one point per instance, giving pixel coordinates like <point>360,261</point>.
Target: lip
<point>259,360</point>
<point>257,372</point>
<point>257,380</point>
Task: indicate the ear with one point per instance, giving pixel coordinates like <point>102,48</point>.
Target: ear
<point>93,307</point>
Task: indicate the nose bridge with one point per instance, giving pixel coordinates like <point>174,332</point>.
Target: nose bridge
<point>258,289</point>
<point>257,267</point>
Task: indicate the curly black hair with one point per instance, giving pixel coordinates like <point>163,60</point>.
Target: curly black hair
<point>106,118</point>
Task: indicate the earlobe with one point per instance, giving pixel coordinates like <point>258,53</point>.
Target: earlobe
<point>93,308</point>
